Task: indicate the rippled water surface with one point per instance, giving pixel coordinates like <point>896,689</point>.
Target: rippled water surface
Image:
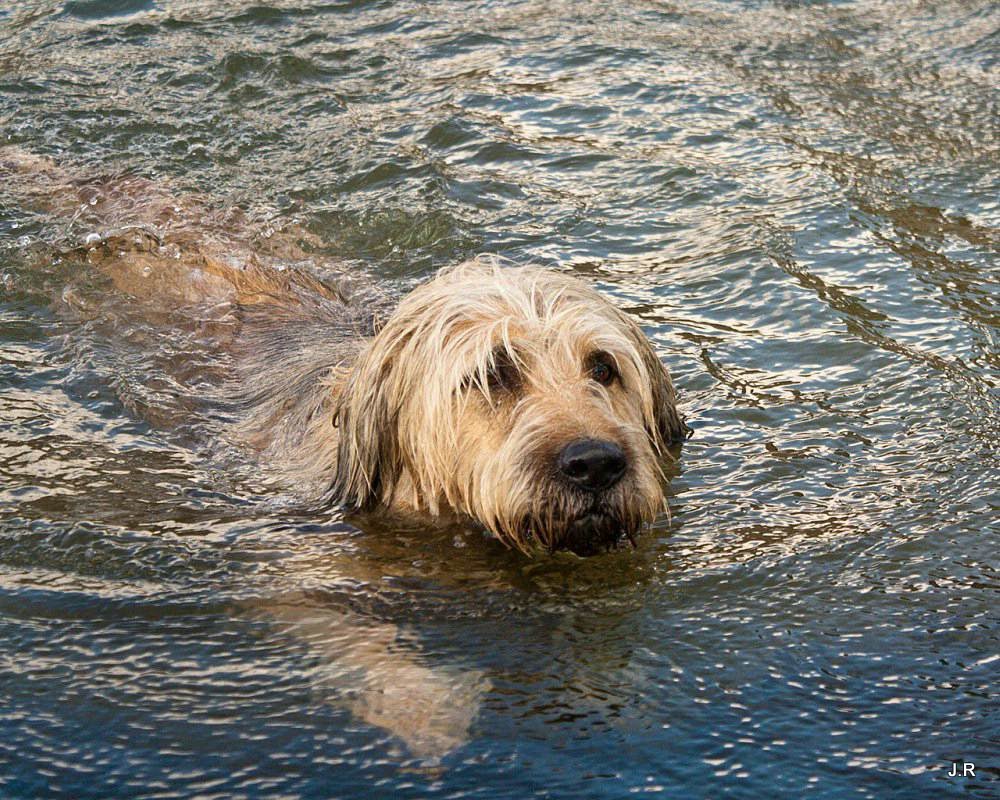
<point>799,201</point>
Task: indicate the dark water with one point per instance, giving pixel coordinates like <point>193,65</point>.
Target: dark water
<point>798,200</point>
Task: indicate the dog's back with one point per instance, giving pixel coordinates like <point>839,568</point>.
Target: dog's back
<point>284,319</point>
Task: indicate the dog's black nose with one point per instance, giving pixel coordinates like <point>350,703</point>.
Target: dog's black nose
<point>592,464</point>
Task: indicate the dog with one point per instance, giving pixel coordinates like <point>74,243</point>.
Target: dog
<point>517,399</point>
<point>512,397</point>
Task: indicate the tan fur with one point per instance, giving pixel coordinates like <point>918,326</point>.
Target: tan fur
<point>394,417</point>
<point>401,418</point>
<point>420,429</point>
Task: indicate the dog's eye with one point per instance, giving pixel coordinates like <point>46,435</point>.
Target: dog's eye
<point>602,369</point>
<point>503,375</point>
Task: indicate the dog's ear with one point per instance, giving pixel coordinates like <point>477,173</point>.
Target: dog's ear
<point>664,423</point>
<point>366,417</point>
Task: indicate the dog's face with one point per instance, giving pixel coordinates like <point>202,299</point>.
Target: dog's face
<point>518,397</point>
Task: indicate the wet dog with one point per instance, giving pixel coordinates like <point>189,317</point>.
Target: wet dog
<point>514,397</point>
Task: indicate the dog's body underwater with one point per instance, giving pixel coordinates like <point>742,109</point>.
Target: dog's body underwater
<point>514,397</point>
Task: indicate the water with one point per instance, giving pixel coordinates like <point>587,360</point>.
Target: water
<point>798,201</point>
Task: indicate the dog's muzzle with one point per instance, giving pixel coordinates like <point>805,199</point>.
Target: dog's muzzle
<point>592,466</point>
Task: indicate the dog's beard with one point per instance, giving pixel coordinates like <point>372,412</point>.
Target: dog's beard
<point>517,490</point>
<point>583,523</point>
<point>527,505</point>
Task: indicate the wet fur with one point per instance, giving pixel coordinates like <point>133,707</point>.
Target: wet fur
<point>419,427</point>
<point>375,409</point>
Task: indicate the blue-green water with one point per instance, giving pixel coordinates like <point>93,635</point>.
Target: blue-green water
<point>800,203</point>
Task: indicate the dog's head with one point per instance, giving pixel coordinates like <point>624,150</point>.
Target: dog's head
<point>518,397</point>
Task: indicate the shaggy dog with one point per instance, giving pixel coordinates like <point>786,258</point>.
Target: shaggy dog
<point>514,397</point>
<point>517,397</point>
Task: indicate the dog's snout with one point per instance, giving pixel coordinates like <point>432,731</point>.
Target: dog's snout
<point>592,464</point>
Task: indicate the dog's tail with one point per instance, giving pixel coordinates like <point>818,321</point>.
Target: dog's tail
<point>33,182</point>
<point>15,160</point>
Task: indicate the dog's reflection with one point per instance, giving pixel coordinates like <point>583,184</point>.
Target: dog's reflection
<point>383,679</point>
<point>363,615</point>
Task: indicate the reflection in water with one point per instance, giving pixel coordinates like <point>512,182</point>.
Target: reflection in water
<point>798,203</point>
<point>430,709</point>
